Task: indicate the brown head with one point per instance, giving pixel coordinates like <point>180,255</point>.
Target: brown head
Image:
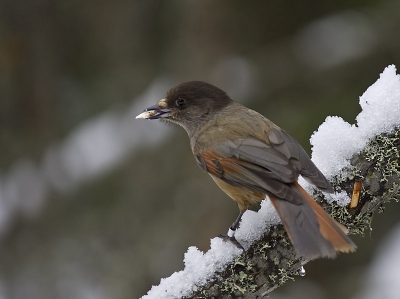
<point>190,105</point>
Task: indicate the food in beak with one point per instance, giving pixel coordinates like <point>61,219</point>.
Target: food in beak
<point>154,114</point>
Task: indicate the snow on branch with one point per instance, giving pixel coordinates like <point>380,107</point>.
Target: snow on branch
<point>361,161</point>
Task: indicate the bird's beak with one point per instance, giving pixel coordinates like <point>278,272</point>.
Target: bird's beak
<point>154,112</point>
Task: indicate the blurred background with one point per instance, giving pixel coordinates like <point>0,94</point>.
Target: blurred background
<point>96,204</point>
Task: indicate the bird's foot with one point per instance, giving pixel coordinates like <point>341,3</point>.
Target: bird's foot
<point>231,239</point>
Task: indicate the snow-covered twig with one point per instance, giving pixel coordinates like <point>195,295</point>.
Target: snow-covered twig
<point>366,153</point>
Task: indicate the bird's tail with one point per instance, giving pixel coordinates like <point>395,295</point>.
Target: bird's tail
<point>313,232</point>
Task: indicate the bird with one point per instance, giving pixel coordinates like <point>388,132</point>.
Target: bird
<point>249,157</point>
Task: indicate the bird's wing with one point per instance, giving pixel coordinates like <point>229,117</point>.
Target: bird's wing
<point>240,173</point>
<point>269,168</point>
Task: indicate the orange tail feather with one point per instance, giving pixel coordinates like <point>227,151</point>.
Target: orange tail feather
<point>312,231</point>
<point>330,229</point>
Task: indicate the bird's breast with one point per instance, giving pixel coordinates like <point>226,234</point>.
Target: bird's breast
<point>243,196</point>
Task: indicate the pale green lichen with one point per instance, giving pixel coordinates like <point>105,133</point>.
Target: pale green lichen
<point>340,213</point>
<point>284,276</point>
<point>383,151</point>
<point>286,242</point>
<point>273,277</point>
<point>262,251</point>
<point>289,263</point>
<point>276,261</point>
<point>241,282</point>
<point>395,190</point>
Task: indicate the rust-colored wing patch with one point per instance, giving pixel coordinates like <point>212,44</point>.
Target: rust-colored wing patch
<point>237,172</point>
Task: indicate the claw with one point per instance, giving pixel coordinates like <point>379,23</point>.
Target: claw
<point>232,240</point>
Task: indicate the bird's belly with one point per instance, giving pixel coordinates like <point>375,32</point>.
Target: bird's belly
<point>242,195</point>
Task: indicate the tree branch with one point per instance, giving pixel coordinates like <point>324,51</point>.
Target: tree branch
<point>271,261</point>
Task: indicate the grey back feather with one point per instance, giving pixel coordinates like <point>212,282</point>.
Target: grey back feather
<point>270,167</point>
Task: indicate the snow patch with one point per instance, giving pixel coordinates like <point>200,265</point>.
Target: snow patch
<point>336,141</point>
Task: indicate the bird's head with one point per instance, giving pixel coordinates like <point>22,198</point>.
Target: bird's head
<point>190,105</point>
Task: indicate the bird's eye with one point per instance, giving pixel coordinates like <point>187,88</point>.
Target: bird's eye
<point>180,102</point>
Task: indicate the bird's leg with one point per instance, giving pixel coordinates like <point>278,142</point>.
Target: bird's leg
<point>231,232</point>
<point>235,225</point>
